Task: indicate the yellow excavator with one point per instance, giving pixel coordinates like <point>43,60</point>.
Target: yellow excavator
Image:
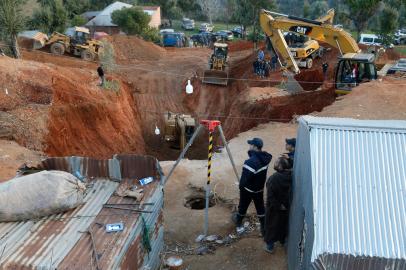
<point>305,51</point>
<point>179,128</point>
<point>321,30</point>
<point>218,66</point>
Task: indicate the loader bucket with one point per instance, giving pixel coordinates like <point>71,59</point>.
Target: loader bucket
<point>215,77</point>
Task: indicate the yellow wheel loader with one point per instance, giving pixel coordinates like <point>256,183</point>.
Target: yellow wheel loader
<point>179,128</point>
<point>218,66</point>
<point>79,44</point>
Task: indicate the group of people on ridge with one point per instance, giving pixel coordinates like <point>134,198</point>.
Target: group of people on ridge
<point>273,214</point>
<point>262,67</point>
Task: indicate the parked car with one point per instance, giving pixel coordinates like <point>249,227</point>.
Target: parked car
<point>225,35</point>
<point>188,24</point>
<point>206,27</point>
<point>400,37</point>
<point>401,32</point>
<point>400,67</point>
<point>168,30</point>
<point>175,39</point>
<point>238,31</point>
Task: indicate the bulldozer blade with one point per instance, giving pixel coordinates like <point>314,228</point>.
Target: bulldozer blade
<point>215,77</point>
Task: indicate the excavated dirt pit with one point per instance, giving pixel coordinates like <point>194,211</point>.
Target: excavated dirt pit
<point>66,113</point>
<point>56,106</point>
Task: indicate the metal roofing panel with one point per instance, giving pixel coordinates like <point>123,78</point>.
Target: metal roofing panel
<point>44,244</point>
<point>54,242</point>
<point>113,247</point>
<point>359,192</point>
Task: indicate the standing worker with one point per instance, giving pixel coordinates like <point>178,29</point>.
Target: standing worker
<point>100,72</point>
<point>274,61</point>
<point>261,55</point>
<point>325,68</point>
<point>277,204</point>
<point>290,147</point>
<point>252,183</point>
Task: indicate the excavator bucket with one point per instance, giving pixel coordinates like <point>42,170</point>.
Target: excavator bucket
<point>218,77</point>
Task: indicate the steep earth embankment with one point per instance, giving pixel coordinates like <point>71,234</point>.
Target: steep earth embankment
<point>62,111</point>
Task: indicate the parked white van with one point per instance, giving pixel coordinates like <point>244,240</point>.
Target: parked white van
<point>370,39</point>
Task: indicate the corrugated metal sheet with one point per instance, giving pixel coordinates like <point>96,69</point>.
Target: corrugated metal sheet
<point>137,167</point>
<point>90,167</point>
<point>352,198</point>
<point>57,243</point>
<point>113,247</point>
<point>154,222</point>
<point>44,243</point>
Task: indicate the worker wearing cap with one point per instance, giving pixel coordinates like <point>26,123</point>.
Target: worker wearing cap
<point>290,147</point>
<point>252,183</point>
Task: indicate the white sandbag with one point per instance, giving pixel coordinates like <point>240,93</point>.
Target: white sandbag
<point>39,194</point>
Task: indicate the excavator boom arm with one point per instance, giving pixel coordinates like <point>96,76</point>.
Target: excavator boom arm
<point>320,30</point>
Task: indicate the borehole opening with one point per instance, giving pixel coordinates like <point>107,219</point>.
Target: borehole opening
<point>198,202</point>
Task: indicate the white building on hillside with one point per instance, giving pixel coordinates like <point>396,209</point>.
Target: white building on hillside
<point>102,22</point>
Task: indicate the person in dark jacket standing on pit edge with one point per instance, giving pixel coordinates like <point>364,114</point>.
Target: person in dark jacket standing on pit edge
<point>100,72</point>
<point>277,204</point>
<point>290,147</point>
<point>252,183</point>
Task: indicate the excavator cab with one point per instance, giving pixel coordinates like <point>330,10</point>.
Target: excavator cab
<point>353,69</point>
<point>218,66</point>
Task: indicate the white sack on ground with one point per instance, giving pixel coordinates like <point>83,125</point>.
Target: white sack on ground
<point>39,194</point>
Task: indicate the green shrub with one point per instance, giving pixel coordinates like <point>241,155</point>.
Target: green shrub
<point>106,57</point>
<point>112,85</point>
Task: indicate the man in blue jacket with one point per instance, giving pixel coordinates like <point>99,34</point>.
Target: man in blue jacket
<point>252,183</point>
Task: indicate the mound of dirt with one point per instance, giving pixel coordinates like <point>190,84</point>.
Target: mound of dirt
<point>256,94</point>
<point>240,45</point>
<point>44,56</point>
<point>63,112</point>
<point>12,156</point>
<point>131,49</point>
<point>310,79</point>
<point>384,99</point>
